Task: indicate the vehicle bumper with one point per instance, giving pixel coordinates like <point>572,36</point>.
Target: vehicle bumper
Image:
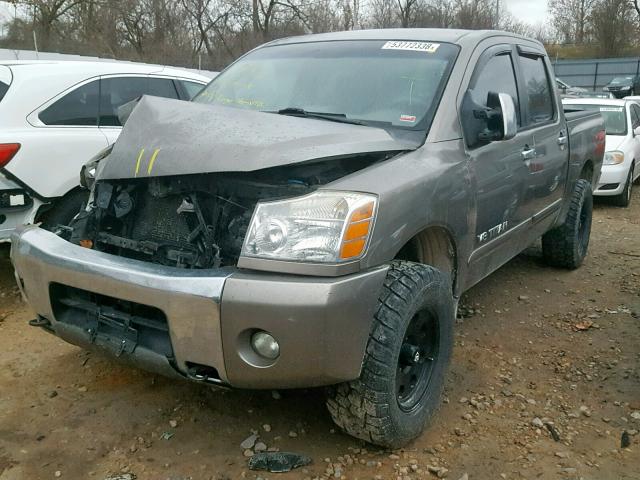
<point>612,180</point>
<point>16,208</point>
<point>322,324</point>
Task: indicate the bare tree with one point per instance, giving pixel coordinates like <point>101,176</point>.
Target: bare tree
<point>571,19</point>
<point>45,15</point>
<point>612,25</point>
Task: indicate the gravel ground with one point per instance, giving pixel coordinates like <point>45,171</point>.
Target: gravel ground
<point>544,384</point>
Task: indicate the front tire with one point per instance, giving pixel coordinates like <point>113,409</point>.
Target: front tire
<point>406,359</point>
<point>566,246</point>
<point>624,199</point>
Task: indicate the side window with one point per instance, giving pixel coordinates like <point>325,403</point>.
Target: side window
<point>118,91</point>
<point>498,76</point>
<point>539,94</point>
<point>79,107</point>
<point>191,89</point>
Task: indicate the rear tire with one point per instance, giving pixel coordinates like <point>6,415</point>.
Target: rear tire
<point>63,210</point>
<point>624,199</point>
<point>566,246</point>
<point>406,359</point>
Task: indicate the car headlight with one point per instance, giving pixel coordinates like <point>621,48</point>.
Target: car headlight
<point>613,158</point>
<point>606,89</point>
<point>89,169</point>
<point>324,226</point>
<point>626,88</point>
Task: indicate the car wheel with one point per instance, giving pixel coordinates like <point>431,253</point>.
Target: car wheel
<point>624,199</point>
<point>406,359</point>
<point>63,210</point>
<point>566,246</point>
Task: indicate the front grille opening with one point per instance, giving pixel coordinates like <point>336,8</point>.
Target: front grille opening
<point>117,324</point>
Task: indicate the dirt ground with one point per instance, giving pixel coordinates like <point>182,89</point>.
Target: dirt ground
<point>541,353</point>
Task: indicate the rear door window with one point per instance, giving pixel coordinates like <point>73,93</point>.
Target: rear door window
<point>190,89</point>
<point>120,90</point>
<point>78,107</point>
<point>537,88</point>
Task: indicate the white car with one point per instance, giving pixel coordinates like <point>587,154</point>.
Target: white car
<point>621,165</point>
<point>54,117</point>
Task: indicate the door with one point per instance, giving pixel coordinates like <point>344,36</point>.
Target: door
<point>65,138</point>
<point>547,161</point>
<point>497,167</point>
<point>118,90</point>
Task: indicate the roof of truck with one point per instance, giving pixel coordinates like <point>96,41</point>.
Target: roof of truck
<point>444,35</point>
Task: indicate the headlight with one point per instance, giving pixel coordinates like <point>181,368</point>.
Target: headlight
<point>626,88</point>
<point>325,226</point>
<point>89,169</point>
<point>613,158</point>
<point>606,89</point>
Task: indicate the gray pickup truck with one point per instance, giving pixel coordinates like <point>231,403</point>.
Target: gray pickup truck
<point>313,216</point>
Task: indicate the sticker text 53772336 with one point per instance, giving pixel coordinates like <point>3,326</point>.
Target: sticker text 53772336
<point>426,47</point>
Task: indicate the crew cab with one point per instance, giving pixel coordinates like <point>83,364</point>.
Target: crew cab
<point>312,217</point>
<point>54,115</point>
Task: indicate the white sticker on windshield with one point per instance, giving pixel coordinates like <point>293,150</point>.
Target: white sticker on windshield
<point>426,47</point>
<point>610,109</point>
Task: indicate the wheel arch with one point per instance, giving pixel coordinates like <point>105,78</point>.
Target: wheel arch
<point>434,245</point>
<point>587,171</point>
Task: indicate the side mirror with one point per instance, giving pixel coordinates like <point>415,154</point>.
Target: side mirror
<point>509,116</point>
<point>496,121</point>
<point>636,131</point>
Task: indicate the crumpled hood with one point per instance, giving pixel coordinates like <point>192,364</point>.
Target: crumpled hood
<point>172,137</point>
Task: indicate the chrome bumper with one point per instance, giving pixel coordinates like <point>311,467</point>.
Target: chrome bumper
<point>321,323</point>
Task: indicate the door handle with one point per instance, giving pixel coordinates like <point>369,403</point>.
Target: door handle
<point>529,153</point>
<point>562,140</point>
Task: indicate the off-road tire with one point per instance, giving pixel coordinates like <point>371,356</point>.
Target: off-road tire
<point>566,246</point>
<point>63,210</point>
<point>369,408</point>
<point>624,199</point>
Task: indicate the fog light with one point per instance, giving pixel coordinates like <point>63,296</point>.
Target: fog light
<point>265,345</point>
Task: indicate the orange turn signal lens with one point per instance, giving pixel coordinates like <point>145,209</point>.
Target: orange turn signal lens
<point>352,249</point>
<point>362,213</point>
<point>357,230</point>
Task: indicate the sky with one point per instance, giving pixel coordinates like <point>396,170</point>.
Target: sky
<point>530,11</point>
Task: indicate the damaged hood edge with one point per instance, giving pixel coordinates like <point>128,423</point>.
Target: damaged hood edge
<point>166,137</point>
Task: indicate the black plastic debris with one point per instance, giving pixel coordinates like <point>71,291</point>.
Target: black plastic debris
<point>625,440</point>
<point>554,433</point>
<point>278,462</point>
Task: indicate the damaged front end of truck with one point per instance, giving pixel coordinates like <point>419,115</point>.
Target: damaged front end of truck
<point>141,270</point>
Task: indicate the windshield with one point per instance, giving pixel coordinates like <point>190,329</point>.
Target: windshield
<point>615,118</point>
<point>377,83</point>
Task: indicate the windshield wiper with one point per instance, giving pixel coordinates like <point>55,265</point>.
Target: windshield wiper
<point>332,117</point>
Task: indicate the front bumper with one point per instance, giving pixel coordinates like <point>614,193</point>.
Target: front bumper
<point>322,324</point>
<point>612,179</point>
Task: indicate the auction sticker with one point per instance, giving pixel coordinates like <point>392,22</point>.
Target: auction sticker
<point>426,47</point>
<point>408,118</point>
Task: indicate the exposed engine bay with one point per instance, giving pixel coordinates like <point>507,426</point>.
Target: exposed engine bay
<point>194,221</point>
